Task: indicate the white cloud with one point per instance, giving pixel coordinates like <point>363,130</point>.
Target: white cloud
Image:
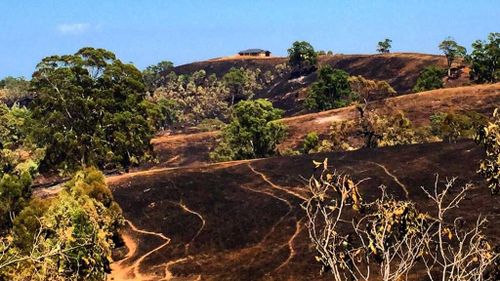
<point>73,28</point>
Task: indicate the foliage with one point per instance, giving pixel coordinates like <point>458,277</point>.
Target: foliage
<point>242,83</point>
<point>282,70</point>
<point>485,59</point>
<point>254,132</point>
<point>370,90</point>
<point>429,79</point>
<point>452,51</point>
<point>384,46</point>
<point>331,90</point>
<point>489,137</point>
<point>14,89</point>
<point>90,111</point>
<point>353,237</point>
<point>451,126</point>
<point>302,57</point>
<point>19,160</point>
<point>196,97</point>
<point>155,75</point>
<point>68,238</point>
<point>311,143</point>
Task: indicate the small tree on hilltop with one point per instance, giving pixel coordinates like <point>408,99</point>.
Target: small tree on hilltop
<point>485,59</point>
<point>385,46</point>
<point>452,51</point>
<point>254,132</point>
<point>302,56</point>
<point>332,90</point>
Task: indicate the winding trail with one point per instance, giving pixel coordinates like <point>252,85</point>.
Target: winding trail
<point>405,189</point>
<point>298,228</point>
<point>266,179</point>
<point>203,222</point>
<point>132,245</point>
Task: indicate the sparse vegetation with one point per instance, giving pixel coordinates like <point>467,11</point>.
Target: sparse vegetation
<point>452,126</point>
<point>254,132</point>
<point>370,90</point>
<point>354,238</point>
<point>311,143</point>
<point>489,137</point>
<point>429,79</point>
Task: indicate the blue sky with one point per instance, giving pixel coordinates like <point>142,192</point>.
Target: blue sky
<point>146,32</point>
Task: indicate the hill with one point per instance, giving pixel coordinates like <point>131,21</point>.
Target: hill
<point>189,149</point>
<point>400,70</point>
<point>242,220</point>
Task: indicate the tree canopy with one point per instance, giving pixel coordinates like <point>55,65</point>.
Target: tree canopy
<point>155,75</point>
<point>331,90</point>
<point>302,56</point>
<point>485,59</point>
<point>452,51</point>
<point>384,46</point>
<point>91,110</point>
<point>254,132</point>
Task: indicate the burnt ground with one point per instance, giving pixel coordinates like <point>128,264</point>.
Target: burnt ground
<point>242,220</point>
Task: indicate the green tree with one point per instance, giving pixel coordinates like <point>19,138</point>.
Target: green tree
<point>429,79</point>
<point>14,89</point>
<point>155,75</point>
<point>384,46</point>
<point>91,110</point>
<point>485,59</point>
<point>452,51</point>
<point>302,56</point>
<point>254,132</point>
<point>18,163</point>
<point>236,80</point>
<point>332,90</point>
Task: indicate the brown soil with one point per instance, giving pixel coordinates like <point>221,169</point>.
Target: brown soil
<point>242,220</point>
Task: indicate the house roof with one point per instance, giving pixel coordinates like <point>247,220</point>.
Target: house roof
<point>253,51</point>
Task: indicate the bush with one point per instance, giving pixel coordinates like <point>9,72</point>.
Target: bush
<point>489,137</point>
<point>370,90</point>
<point>332,90</point>
<point>429,79</point>
<point>311,143</point>
<point>254,132</point>
<point>452,126</point>
<point>74,233</point>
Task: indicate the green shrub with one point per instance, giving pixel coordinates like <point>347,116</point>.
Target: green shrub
<point>254,132</point>
<point>485,60</point>
<point>429,79</point>
<point>452,126</point>
<point>311,142</point>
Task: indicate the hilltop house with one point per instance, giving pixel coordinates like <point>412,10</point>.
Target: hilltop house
<point>255,53</point>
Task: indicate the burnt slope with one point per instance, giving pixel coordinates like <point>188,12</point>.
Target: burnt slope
<point>400,70</point>
<point>242,220</point>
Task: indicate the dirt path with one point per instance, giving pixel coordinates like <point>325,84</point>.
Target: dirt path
<point>266,179</point>
<point>405,189</point>
<point>121,272</point>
